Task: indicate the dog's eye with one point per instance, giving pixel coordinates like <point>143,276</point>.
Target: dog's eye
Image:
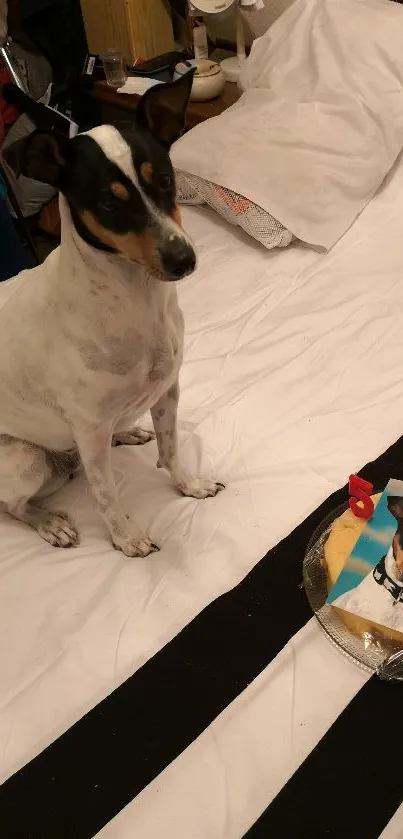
<point>165,181</point>
<point>109,205</point>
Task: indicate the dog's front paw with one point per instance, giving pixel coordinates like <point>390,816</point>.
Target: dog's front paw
<point>135,437</point>
<point>138,545</point>
<point>199,487</point>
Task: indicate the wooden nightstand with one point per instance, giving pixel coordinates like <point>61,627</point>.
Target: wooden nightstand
<point>115,106</point>
<point>200,111</point>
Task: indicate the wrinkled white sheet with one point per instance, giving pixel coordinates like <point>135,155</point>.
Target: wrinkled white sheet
<point>321,122</point>
<point>222,783</point>
<point>292,380</point>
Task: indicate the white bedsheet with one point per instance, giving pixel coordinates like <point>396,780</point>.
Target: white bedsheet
<point>292,380</point>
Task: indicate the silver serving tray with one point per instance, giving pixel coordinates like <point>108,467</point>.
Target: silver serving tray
<point>371,651</point>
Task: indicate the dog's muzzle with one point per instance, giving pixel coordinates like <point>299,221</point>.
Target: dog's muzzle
<point>178,259</point>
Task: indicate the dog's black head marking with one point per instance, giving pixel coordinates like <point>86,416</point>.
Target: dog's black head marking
<point>120,185</point>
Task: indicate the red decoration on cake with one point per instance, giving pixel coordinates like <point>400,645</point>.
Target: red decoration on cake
<point>360,490</point>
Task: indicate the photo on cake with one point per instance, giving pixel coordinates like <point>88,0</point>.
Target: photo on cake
<point>370,584</point>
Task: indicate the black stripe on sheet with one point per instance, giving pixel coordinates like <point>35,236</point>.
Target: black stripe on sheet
<point>350,785</point>
<point>83,779</point>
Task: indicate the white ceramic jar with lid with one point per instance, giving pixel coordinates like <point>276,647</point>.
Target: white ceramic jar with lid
<point>208,80</point>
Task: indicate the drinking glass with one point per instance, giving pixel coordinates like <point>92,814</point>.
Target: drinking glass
<point>114,67</point>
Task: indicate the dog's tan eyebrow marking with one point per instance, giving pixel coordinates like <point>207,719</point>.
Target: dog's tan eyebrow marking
<point>146,172</point>
<point>139,247</point>
<point>120,191</point>
<point>97,229</point>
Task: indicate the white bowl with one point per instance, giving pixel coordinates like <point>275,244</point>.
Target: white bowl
<point>208,80</point>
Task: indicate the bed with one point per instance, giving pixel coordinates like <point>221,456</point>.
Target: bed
<point>193,695</point>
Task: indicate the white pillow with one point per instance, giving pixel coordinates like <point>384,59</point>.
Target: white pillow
<point>320,123</point>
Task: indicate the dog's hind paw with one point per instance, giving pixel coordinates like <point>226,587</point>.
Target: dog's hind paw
<point>134,546</point>
<point>135,437</point>
<point>57,529</point>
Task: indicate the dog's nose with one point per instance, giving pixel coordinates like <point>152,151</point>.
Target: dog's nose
<point>178,259</point>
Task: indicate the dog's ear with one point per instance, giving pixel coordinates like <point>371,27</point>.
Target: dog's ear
<point>395,506</point>
<point>162,110</point>
<point>41,156</point>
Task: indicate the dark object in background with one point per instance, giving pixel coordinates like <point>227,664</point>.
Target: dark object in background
<point>166,61</point>
<point>8,114</point>
<point>161,67</point>
<point>179,6</point>
<point>14,257</point>
<point>56,28</point>
<point>40,114</point>
<point>93,68</point>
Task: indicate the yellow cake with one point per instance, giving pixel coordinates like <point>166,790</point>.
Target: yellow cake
<point>343,535</point>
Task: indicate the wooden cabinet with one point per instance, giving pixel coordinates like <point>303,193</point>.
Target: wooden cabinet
<point>114,106</point>
<point>136,27</point>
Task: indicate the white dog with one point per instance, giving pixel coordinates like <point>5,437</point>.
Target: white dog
<point>94,337</point>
